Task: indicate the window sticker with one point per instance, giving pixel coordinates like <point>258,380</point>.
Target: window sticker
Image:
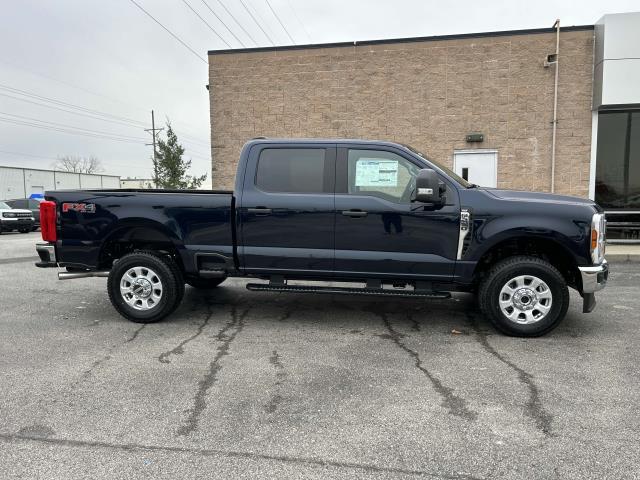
<point>374,172</point>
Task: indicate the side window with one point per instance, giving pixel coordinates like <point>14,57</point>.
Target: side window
<point>292,170</point>
<point>381,174</point>
<point>33,204</point>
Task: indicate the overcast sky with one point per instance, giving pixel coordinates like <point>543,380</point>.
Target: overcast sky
<point>108,57</point>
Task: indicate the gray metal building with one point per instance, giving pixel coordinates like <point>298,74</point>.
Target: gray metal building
<point>18,182</point>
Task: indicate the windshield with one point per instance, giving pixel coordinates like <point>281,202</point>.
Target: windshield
<point>4,206</point>
<point>449,172</point>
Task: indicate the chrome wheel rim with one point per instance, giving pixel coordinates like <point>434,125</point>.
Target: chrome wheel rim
<point>525,299</point>
<point>141,288</point>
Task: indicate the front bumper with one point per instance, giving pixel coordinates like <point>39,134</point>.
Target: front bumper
<point>594,278</point>
<point>47,254</point>
<point>16,223</point>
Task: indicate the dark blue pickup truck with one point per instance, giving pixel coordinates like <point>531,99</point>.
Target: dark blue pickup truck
<point>378,216</point>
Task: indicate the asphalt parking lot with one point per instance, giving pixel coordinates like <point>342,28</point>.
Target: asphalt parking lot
<point>240,384</point>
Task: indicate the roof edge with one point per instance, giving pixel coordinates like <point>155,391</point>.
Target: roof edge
<point>434,38</point>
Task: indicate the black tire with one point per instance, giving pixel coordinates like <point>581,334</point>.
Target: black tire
<point>166,272</point>
<point>205,283</point>
<point>25,230</point>
<point>489,295</point>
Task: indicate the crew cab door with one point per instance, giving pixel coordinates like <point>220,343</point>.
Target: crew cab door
<point>380,233</point>
<point>286,209</point>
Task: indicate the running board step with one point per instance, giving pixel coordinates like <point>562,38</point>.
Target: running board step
<point>380,292</point>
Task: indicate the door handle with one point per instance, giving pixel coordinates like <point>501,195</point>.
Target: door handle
<point>354,213</point>
<point>260,211</point>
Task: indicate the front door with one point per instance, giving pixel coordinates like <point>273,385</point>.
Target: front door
<point>287,209</point>
<point>477,166</point>
<point>379,231</point>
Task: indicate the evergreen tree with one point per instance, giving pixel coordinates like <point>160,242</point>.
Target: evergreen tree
<point>170,170</point>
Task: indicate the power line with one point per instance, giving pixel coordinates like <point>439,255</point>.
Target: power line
<point>234,19</point>
<point>256,21</point>
<point>206,23</point>
<point>62,125</point>
<point>280,22</point>
<point>185,138</point>
<point>82,134</point>
<point>138,107</point>
<point>299,21</point>
<point>222,22</point>
<point>117,122</point>
<point>68,84</point>
<point>169,31</point>
<point>70,105</point>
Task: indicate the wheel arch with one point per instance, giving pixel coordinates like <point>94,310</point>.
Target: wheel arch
<point>139,234</point>
<point>544,247</point>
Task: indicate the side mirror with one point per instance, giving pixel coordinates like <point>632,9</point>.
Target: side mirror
<point>429,188</point>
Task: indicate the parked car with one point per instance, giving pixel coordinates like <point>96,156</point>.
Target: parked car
<point>32,204</point>
<point>15,219</point>
<point>376,213</point>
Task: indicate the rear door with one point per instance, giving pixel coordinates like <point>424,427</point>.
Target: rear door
<point>379,231</point>
<point>286,210</point>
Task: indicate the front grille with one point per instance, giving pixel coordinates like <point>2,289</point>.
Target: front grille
<point>23,215</point>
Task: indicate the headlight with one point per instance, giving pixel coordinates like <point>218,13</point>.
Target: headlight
<point>9,215</point>
<point>598,238</point>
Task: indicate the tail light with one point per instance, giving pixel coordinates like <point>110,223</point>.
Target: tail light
<point>48,221</point>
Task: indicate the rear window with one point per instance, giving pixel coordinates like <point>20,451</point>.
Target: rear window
<point>292,170</point>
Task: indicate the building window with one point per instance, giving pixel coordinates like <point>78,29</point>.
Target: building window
<point>292,170</point>
<point>618,160</point>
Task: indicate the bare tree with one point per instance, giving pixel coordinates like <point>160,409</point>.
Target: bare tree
<point>78,164</point>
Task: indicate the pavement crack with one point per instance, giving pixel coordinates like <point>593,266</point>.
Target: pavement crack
<point>281,374</point>
<point>415,325</point>
<point>534,408</point>
<point>315,462</point>
<point>179,349</point>
<point>453,403</point>
<point>235,326</point>
<point>135,333</point>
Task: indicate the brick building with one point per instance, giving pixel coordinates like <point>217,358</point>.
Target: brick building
<point>433,92</point>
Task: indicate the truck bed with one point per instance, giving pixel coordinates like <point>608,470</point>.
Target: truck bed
<point>198,222</point>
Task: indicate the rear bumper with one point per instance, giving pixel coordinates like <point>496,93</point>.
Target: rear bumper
<point>47,254</point>
<point>594,278</point>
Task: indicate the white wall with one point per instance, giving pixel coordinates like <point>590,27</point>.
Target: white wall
<point>22,182</point>
<point>110,182</point>
<point>90,181</point>
<point>11,183</point>
<point>66,180</point>
<point>38,181</point>
<point>617,60</point>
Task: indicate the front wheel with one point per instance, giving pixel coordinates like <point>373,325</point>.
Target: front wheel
<point>145,287</point>
<point>524,296</point>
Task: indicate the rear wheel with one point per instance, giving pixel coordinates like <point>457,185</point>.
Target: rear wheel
<point>145,287</point>
<point>205,283</point>
<point>524,296</point>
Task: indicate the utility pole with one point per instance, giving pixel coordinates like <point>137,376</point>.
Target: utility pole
<point>153,131</point>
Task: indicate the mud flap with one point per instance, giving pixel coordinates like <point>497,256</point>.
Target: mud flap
<point>588,302</point>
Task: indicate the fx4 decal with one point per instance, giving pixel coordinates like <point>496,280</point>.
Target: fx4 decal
<point>79,207</point>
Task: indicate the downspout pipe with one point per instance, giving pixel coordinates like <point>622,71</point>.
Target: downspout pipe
<point>555,109</point>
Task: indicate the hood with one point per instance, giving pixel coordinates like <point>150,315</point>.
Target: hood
<point>538,197</point>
